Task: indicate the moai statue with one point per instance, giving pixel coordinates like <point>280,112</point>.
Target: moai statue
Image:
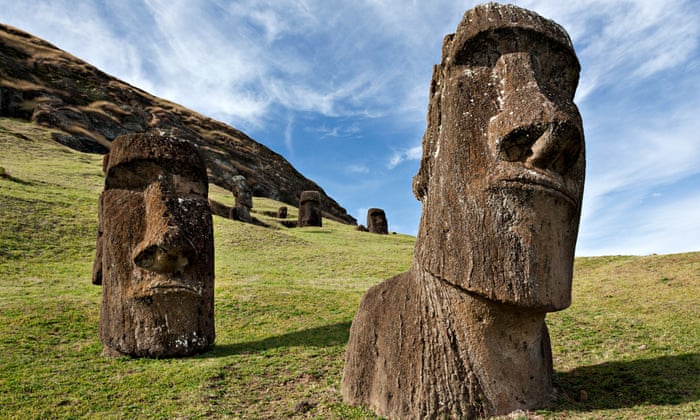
<point>309,209</point>
<point>282,212</point>
<point>376,221</point>
<point>155,249</point>
<point>244,199</point>
<point>462,334</point>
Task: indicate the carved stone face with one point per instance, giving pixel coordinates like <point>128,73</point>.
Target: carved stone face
<point>157,249</point>
<point>309,209</point>
<point>376,221</point>
<point>242,192</point>
<point>501,178</point>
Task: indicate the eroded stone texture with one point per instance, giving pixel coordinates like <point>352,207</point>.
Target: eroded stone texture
<point>155,249</point>
<point>462,334</point>
<point>244,199</point>
<point>309,209</point>
<point>376,221</point>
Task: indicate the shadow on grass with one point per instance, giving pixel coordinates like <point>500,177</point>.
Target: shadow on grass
<point>668,380</point>
<point>9,177</point>
<point>325,336</point>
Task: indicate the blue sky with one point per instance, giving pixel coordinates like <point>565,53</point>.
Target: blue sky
<point>340,88</point>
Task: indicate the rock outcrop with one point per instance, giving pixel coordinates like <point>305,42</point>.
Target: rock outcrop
<point>42,83</point>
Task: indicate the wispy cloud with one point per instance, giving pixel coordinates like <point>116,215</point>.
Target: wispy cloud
<point>288,136</point>
<point>336,131</point>
<point>358,169</point>
<point>634,38</point>
<point>413,153</point>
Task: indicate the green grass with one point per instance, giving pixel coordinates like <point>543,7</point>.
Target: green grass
<point>284,302</point>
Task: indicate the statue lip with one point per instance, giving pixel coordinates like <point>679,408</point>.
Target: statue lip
<point>172,286</point>
<point>538,179</point>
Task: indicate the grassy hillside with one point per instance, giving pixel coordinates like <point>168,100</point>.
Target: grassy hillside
<point>627,348</point>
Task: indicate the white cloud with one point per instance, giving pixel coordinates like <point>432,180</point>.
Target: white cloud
<point>663,227</point>
<point>351,130</point>
<point>624,41</point>
<point>358,169</point>
<point>288,139</point>
<point>414,153</point>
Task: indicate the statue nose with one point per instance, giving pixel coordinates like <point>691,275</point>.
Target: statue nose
<point>532,127</point>
<point>164,248</point>
<point>551,146</point>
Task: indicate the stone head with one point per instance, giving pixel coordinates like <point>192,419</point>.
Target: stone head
<point>157,255</point>
<point>309,209</point>
<point>242,192</point>
<point>282,212</point>
<point>376,221</point>
<point>502,171</point>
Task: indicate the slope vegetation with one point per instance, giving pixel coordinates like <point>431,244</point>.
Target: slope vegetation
<point>627,348</point>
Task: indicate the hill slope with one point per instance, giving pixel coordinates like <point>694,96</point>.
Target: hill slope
<point>41,83</point>
<point>626,349</point>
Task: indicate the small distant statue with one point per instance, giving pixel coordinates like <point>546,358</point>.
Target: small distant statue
<point>309,209</point>
<point>376,221</point>
<point>282,212</point>
<point>244,200</point>
<point>462,334</point>
<point>155,249</point>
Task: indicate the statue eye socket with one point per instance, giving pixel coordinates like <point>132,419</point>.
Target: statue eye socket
<point>559,75</point>
<point>135,176</point>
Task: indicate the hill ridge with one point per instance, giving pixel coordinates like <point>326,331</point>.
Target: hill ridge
<point>44,84</point>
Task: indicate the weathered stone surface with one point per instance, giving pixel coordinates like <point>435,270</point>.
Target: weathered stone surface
<point>462,334</point>
<point>244,199</point>
<point>155,249</point>
<point>42,83</point>
<point>309,209</point>
<point>282,212</point>
<point>376,221</point>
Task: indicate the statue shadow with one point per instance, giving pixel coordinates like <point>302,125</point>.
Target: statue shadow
<point>324,336</point>
<point>667,380</point>
<point>15,180</point>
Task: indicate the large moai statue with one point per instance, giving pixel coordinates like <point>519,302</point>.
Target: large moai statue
<point>462,334</point>
<point>155,249</point>
<point>376,221</point>
<point>309,209</point>
<point>244,199</point>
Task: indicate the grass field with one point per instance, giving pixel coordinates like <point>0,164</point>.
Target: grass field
<point>628,348</point>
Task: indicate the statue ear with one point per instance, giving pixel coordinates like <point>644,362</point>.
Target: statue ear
<point>97,263</point>
<point>432,131</point>
<point>420,183</point>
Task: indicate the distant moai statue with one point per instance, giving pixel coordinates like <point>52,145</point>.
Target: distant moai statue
<point>155,249</point>
<point>309,209</point>
<point>244,199</point>
<point>462,334</point>
<point>282,212</point>
<point>376,221</point>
